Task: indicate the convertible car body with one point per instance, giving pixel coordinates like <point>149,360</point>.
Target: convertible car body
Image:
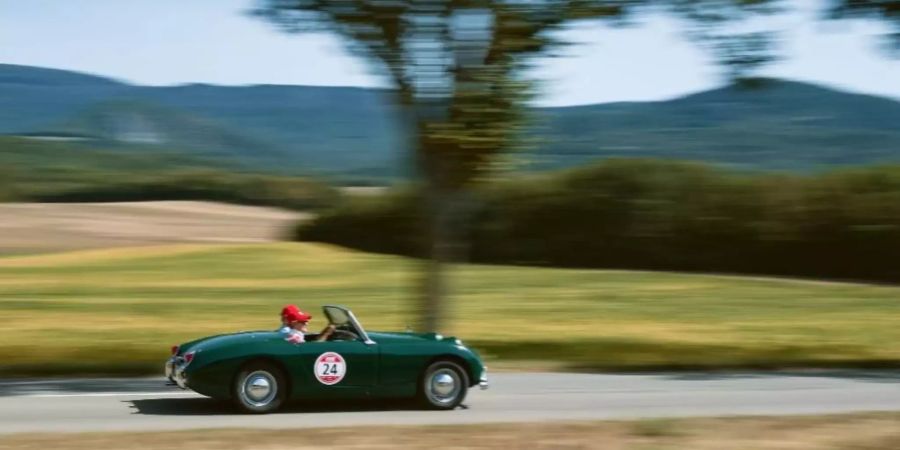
<point>259,371</point>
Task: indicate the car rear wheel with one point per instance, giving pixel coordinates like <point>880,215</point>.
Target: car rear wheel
<point>443,385</point>
<point>259,388</point>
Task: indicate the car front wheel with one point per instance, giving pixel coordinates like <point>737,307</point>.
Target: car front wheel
<point>443,385</point>
<point>259,388</point>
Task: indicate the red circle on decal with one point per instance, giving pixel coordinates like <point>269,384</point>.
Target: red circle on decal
<point>330,368</point>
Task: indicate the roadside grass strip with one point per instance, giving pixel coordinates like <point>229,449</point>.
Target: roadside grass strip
<point>857,431</point>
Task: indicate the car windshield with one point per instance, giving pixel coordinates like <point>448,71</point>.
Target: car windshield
<point>337,316</point>
<point>343,319</point>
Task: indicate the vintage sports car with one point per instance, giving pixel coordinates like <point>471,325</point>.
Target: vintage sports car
<point>260,370</point>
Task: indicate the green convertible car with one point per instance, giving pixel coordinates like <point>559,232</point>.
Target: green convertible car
<point>260,370</point>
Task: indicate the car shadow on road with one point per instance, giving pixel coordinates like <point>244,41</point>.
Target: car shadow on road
<point>25,386</point>
<point>212,407</point>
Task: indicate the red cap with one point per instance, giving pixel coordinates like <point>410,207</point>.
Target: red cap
<point>291,314</point>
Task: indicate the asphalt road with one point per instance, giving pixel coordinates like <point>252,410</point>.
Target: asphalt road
<point>145,404</point>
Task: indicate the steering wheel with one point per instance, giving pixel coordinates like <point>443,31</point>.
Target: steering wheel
<point>343,333</point>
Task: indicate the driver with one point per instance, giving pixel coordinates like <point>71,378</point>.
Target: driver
<point>293,325</point>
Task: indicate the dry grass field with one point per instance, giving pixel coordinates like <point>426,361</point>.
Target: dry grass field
<point>842,432</point>
<point>47,227</point>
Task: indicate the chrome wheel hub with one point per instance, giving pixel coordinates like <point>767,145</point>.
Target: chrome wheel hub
<point>259,388</point>
<point>443,386</point>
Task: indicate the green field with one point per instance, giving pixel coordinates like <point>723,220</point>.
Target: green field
<point>119,311</point>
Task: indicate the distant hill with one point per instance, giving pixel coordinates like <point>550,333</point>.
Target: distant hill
<point>32,97</point>
<point>137,125</point>
<point>778,125</point>
<point>330,128</point>
<point>321,128</point>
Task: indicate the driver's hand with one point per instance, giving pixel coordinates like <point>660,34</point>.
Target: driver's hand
<point>330,328</point>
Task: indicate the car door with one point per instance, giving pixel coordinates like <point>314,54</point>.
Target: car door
<point>333,369</point>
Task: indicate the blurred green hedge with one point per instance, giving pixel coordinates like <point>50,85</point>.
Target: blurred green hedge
<point>33,170</point>
<point>211,185</point>
<point>658,215</point>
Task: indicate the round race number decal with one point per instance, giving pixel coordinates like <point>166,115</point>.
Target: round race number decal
<point>330,368</point>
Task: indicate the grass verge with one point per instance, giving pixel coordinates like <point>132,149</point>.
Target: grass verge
<point>858,431</point>
<point>118,311</point>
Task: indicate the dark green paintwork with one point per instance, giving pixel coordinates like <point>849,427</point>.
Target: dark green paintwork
<point>390,367</point>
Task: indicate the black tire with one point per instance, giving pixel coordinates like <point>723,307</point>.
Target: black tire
<point>435,393</point>
<point>259,388</point>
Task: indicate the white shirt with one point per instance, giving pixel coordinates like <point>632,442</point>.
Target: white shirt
<point>291,335</point>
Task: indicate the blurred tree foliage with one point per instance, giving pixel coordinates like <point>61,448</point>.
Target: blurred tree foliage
<point>456,68</point>
<point>660,215</point>
<point>886,10</point>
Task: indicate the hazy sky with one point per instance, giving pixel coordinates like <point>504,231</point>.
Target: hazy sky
<point>161,42</point>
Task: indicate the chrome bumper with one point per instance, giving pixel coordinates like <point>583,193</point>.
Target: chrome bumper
<point>483,380</point>
<point>175,371</point>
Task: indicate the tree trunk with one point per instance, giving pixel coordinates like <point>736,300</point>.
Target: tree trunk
<point>439,237</point>
<point>441,228</point>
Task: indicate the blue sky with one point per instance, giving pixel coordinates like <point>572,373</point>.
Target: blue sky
<point>164,42</point>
